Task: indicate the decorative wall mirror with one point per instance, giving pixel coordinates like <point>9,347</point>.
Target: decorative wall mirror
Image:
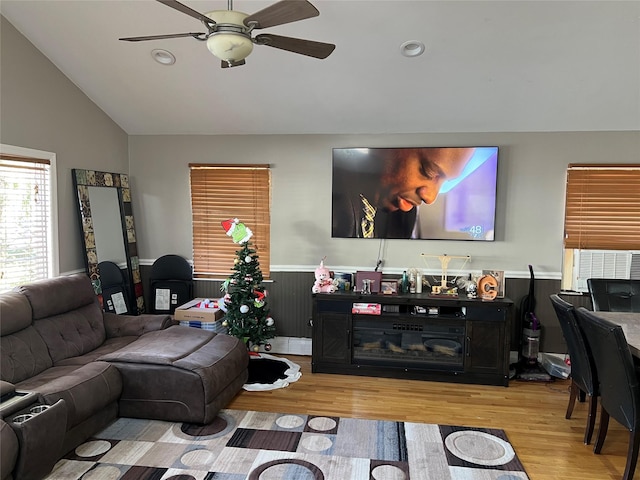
<point>108,233</point>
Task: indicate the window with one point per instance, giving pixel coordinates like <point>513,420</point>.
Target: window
<point>602,223</point>
<point>221,192</point>
<point>28,234</point>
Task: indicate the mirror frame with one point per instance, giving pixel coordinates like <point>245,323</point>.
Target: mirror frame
<point>82,180</point>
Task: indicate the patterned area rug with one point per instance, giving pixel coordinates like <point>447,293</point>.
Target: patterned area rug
<point>241,445</point>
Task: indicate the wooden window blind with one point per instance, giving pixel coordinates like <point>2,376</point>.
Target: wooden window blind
<point>25,220</point>
<point>221,192</point>
<point>602,209</point>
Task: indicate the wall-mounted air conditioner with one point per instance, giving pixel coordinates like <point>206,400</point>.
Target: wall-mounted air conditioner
<point>587,264</point>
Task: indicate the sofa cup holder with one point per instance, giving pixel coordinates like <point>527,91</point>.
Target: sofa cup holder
<point>33,411</point>
<point>38,409</point>
<point>22,418</point>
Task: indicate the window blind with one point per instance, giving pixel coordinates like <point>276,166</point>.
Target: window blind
<point>602,207</point>
<point>221,192</point>
<point>24,220</point>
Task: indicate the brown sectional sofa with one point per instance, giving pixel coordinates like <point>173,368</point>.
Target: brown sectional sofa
<point>89,367</point>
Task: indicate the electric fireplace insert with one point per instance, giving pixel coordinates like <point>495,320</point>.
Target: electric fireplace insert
<point>433,343</point>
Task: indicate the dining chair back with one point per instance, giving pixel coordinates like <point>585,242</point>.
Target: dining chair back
<point>171,282</point>
<point>115,288</point>
<point>583,375</point>
<point>619,386</point>
<point>614,295</point>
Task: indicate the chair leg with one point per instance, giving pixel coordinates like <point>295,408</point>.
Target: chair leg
<point>632,455</point>
<point>582,396</point>
<point>602,430</point>
<point>573,393</point>
<point>591,419</point>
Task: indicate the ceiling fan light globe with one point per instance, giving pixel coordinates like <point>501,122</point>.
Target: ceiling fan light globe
<point>230,47</point>
<point>229,42</point>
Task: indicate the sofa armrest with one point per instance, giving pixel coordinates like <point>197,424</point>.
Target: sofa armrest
<point>134,325</point>
<point>10,449</point>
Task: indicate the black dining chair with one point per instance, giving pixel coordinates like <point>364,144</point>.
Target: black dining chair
<point>115,288</point>
<point>619,386</point>
<point>584,381</point>
<point>614,295</point>
<point>171,276</point>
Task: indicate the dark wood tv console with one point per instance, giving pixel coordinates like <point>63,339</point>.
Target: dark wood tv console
<point>415,336</point>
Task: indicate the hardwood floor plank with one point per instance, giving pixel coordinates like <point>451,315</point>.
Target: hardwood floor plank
<point>532,415</point>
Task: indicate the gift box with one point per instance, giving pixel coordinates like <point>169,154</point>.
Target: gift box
<point>199,310</point>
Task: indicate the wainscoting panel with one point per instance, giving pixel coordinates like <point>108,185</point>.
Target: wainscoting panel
<point>289,299</point>
<point>290,304</point>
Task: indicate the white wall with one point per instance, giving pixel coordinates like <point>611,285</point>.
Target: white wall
<point>43,110</point>
<point>529,213</point>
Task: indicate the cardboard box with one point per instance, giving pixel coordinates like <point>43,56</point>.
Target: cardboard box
<point>189,312</point>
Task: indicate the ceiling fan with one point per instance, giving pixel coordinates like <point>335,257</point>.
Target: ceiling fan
<point>228,34</point>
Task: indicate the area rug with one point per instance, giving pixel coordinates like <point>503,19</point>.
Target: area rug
<point>268,372</point>
<point>245,445</point>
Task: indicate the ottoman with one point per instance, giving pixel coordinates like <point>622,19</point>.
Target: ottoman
<point>180,374</point>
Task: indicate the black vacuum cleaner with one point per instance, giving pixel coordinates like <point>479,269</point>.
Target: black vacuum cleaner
<point>528,367</point>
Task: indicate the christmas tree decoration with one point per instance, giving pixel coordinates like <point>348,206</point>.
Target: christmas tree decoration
<point>247,314</point>
<point>267,347</point>
<point>259,302</point>
<point>237,231</point>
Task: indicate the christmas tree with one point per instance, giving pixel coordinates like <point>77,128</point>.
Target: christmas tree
<point>247,314</point>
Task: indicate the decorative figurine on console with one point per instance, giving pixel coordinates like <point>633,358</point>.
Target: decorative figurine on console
<point>324,283</point>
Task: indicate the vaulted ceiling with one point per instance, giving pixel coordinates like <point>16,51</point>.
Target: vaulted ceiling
<point>489,66</point>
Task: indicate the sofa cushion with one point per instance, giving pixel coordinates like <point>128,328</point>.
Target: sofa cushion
<point>15,312</point>
<point>54,296</point>
<point>73,333</point>
<point>23,355</point>
<point>109,346</point>
<point>162,347</point>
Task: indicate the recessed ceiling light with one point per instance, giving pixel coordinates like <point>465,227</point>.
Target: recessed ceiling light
<point>163,57</point>
<point>412,48</point>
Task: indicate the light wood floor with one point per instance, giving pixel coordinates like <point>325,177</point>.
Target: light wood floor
<point>532,415</point>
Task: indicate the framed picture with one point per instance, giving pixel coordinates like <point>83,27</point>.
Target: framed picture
<point>389,287</point>
<point>344,280</point>
<point>375,277</point>
<point>499,276</point>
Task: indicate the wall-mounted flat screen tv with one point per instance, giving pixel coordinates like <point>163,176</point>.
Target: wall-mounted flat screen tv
<point>420,193</point>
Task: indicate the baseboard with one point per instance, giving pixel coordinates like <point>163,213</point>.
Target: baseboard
<point>290,346</point>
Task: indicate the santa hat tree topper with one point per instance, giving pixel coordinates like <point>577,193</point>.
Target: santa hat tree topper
<point>247,314</point>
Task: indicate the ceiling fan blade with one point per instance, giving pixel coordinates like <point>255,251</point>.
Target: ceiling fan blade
<point>296,45</point>
<point>160,37</point>
<point>225,64</point>
<point>189,11</point>
<point>285,11</point>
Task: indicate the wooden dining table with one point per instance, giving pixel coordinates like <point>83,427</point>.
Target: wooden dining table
<point>630,323</point>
